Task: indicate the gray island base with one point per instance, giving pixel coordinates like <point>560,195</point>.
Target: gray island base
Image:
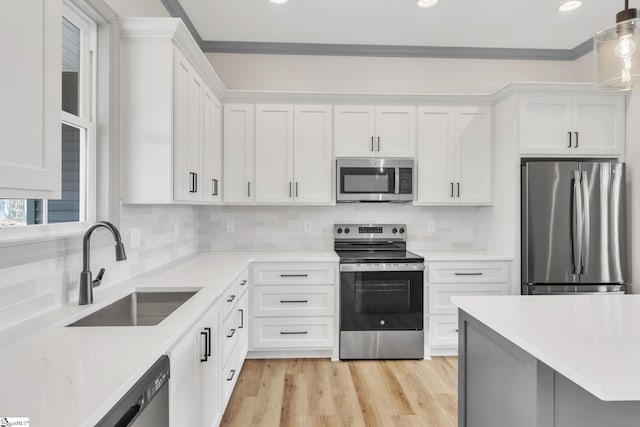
<point>501,385</point>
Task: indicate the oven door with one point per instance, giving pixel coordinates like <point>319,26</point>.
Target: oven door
<point>381,300</point>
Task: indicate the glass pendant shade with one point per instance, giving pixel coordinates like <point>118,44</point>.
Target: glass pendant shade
<point>617,55</point>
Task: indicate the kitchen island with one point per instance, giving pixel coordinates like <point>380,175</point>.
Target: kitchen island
<point>548,361</point>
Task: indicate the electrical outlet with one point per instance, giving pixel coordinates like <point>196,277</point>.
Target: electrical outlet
<point>231,227</point>
<point>307,226</point>
<point>431,226</point>
<point>135,238</point>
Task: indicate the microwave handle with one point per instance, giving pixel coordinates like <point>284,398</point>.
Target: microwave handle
<point>396,190</point>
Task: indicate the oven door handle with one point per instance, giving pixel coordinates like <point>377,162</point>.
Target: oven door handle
<point>381,267</point>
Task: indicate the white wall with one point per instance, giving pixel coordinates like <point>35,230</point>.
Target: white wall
<point>381,75</point>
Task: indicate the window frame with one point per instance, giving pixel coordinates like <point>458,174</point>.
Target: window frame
<point>83,15</point>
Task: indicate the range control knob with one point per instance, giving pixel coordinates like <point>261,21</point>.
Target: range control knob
<point>382,322</point>
<point>339,230</point>
<point>346,230</point>
<point>401,230</point>
<point>394,231</point>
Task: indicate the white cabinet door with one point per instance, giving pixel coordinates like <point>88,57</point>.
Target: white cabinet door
<point>209,381</point>
<point>274,153</point>
<point>354,131</point>
<point>545,124</point>
<point>242,311</point>
<point>312,162</point>
<point>187,148</point>
<point>183,382</point>
<point>598,124</point>
<point>212,147</point>
<point>239,146</point>
<point>436,137</point>
<point>473,153</point>
<point>31,43</point>
<point>395,131</point>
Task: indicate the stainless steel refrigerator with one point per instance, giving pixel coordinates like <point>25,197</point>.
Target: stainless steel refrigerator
<point>573,227</point>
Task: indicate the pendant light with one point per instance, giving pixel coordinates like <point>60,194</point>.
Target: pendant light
<point>617,53</point>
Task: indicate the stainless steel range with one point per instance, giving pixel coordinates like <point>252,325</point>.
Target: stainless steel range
<point>381,293</point>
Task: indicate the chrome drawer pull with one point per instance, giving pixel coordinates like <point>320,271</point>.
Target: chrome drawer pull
<point>244,282</point>
<point>283,301</point>
<point>233,373</point>
<point>294,333</point>
<point>468,274</point>
<point>294,275</point>
<point>231,333</point>
<point>231,298</point>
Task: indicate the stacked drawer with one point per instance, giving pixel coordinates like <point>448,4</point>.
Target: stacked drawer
<point>292,306</point>
<point>448,279</point>
<point>234,336</point>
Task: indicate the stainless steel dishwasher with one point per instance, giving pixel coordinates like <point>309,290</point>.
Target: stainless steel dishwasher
<point>146,404</point>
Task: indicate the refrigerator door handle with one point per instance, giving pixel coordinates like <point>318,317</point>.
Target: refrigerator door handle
<point>586,226</point>
<point>576,223</point>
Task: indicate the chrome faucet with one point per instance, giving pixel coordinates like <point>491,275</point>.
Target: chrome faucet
<point>86,280</point>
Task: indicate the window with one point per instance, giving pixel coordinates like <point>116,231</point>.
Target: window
<point>79,34</point>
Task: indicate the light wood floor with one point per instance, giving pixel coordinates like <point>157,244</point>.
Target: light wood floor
<point>318,392</point>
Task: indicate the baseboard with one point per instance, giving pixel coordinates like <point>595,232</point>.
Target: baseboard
<point>444,351</point>
<point>290,354</point>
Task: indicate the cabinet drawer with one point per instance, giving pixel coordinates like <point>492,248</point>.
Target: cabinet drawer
<point>294,273</point>
<point>468,272</point>
<point>229,299</point>
<point>242,283</point>
<point>230,374</point>
<point>288,301</point>
<point>292,332</point>
<point>443,331</point>
<point>440,295</point>
<point>229,336</point>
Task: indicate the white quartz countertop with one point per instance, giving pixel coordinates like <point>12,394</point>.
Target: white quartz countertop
<point>594,340</point>
<point>430,255</point>
<point>73,376</point>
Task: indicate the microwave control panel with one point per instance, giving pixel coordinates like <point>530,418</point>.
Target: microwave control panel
<point>406,180</point>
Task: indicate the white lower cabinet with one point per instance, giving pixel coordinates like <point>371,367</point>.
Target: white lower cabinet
<point>459,278</point>
<point>293,306</point>
<point>206,362</point>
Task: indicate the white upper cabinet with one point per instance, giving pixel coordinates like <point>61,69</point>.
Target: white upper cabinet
<point>312,157</point>
<point>169,133</point>
<point>239,153</point>
<point>212,147</point>
<point>370,131</point>
<point>559,124</point>
<point>274,153</point>
<point>293,154</point>
<point>454,155</point>
<point>30,121</point>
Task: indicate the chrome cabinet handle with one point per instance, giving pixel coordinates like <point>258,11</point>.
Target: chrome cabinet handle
<point>468,274</point>
<point>231,333</point>
<point>378,144</point>
<point>293,332</point>
<point>194,182</point>
<point>208,341</point>
<point>241,319</point>
<point>458,194</point>
<point>577,142</point>
<point>296,188</point>
<point>244,282</point>
<point>290,195</point>
<point>302,301</point>
<point>294,275</point>
<point>451,193</point>
<point>233,373</point>
<point>215,187</point>
<point>570,142</point>
<point>249,189</point>
<point>231,298</point>
<point>371,143</point>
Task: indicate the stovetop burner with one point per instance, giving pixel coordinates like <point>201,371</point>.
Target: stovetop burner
<point>373,243</point>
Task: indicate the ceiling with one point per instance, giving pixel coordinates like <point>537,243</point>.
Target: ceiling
<point>520,24</point>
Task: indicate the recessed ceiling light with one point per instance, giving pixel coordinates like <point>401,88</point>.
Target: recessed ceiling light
<point>568,6</point>
<point>279,1</point>
<point>427,3</point>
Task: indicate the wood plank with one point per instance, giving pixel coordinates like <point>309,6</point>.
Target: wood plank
<point>321,393</point>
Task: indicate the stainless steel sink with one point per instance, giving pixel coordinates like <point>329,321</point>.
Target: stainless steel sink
<point>137,309</point>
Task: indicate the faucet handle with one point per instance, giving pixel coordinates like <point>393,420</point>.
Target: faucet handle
<point>98,278</point>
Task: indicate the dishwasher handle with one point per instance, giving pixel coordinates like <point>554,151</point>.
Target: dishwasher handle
<point>129,416</point>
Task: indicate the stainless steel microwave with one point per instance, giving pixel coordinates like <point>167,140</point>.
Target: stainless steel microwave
<point>374,180</point>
